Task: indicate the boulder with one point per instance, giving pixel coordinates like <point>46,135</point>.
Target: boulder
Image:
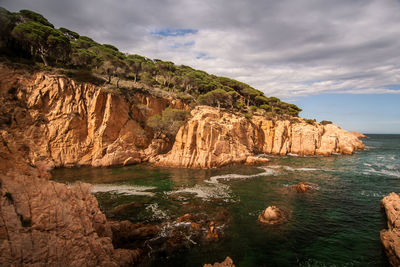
<point>390,237</point>
<point>302,187</point>
<point>272,215</point>
<point>228,262</point>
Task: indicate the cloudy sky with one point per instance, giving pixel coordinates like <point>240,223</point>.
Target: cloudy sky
<point>338,60</point>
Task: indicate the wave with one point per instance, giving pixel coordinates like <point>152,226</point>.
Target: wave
<point>206,192</point>
<point>372,194</point>
<point>123,189</point>
<point>296,169</point>
<point>227,177</point>
<point>156,212</point>
<point>383,172</point>
<point>300,169</point>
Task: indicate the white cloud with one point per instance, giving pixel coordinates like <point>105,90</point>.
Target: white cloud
<point>284,48</point>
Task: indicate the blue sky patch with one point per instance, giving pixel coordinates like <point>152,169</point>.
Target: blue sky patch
<point>166,32</point>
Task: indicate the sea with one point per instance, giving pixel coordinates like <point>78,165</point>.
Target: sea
<point>336,223</point>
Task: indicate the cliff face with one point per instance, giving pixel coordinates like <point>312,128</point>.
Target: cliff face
<point>45,223</point>
<point>212,138</point>
<point>49,120</point>
<point>390,237</point>
<point>63,123</point>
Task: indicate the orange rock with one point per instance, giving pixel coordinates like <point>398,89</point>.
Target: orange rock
<point>302,187</point>
<point>196,226</point>
<point>185,218</point>
<point>228,262</point>
<point>390,237</point>
<point>272,215</point>
<point>212,232</point>
<point>213,138</point>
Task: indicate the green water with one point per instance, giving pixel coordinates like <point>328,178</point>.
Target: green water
<point>335,224</point>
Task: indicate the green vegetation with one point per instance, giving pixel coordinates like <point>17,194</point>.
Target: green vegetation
<point>28,37</point>
<point>310,121</point>
<point>169,122</point>
<point>324,122</point>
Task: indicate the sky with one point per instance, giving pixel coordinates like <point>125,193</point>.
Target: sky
<point>338,60</point>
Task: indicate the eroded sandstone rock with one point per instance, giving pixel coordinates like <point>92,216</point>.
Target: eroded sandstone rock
<point>302,187</point>
<point>390,237</point>
<point>228,262</point>
<point>213,138</point>
<point>272,215</point>
<point>65,123</point>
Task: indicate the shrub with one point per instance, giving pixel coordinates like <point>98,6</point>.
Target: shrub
<point>266,107</point>
<point>168,122</point>
<point>324,122</point>
<point>248,115</point>
<point>310,121</point>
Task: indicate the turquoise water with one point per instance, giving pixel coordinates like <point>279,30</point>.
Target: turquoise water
<point>335,224</point>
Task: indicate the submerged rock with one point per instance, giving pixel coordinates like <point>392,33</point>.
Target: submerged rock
<point>252,160</point>
<point>125,208</point>
<point>124,232</point>
<point>228,262</point>
<point>390,237</point>
<point>272,215</point>
<point>212,233</point>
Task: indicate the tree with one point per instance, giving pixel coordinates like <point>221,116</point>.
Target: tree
<point>86,58</point>
<point>36,17</point>
<point>217,97</point>
<point>135,67</point>
<point>7,23</point>
<point>42,40</point>
<point>69,34</point>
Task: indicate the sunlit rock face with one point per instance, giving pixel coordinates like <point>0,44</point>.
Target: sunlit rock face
<point>65,123</point>
<point>213,138</point>
<point>390,237</point>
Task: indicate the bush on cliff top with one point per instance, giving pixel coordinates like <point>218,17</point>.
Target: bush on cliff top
<point>168,122</point>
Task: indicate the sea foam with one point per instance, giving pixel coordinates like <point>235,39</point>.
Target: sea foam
<point>123,189</point>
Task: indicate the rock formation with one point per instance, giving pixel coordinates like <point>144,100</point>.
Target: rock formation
<point>390,237</point>
<point>65,123</point>
<point>228,262</point>
<point>49,121</point>
<point>272,215</point>
<point>46,223</point>
<point>212,138</point>
<point>302,187</point>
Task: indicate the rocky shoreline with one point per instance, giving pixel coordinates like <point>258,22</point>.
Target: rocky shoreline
<point>63,123</point>
<point>51,121</point>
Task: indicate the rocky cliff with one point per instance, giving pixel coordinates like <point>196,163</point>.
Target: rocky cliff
<point>390,237</point>
<point>48,120</point>
<point>44,223</point>
<point>212,138</point>
<point>64,123</point>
